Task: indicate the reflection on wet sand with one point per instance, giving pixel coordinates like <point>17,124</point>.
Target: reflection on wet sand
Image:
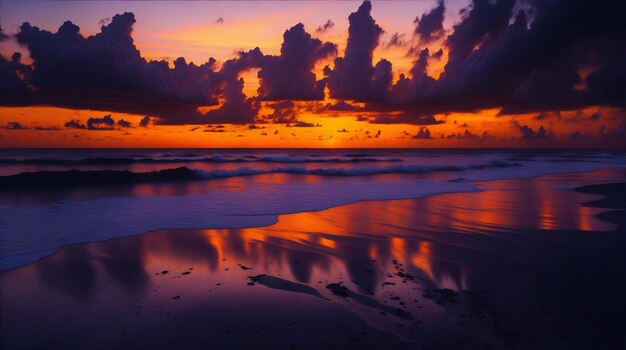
<point>373,275</point>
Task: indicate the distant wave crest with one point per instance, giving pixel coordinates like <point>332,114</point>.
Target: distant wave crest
<point>73,178</point>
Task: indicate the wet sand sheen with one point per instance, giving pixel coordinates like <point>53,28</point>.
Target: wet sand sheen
<point>517,265</point>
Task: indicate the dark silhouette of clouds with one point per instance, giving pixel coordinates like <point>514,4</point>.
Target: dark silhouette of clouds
<point>396,40</point>
<point>289,76</point>
<point>404,118</point>
<point>15,126</point>
<point>325,27</point>
<point>13,89</point>
<point>143,123</point>
<point>123,123</point>
<point>75,124</point>
<point>104,123</point>
<point>518,56</point>
<point>106,71</point>
<point>429,26</point>
<point>528,133</point>
<point>423,134</point>
<point>354,76</point>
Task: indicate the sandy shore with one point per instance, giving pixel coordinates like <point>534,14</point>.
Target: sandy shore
<point>523,264</point>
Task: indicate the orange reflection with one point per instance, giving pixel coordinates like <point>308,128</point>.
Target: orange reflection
<point>421,259</point>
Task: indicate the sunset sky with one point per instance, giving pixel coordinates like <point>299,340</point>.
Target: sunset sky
<point>312,74</point>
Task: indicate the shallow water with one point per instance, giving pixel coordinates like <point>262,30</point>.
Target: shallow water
<point>234,188</point>
<point>490,268</point>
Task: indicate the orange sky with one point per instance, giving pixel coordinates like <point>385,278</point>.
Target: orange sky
<point>198,39</point>
<point>329,134</point>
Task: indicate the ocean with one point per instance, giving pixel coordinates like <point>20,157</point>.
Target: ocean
<point>56,197</point>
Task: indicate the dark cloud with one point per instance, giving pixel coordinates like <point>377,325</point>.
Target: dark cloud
<point>284,112</point>
<point>15,126</point>
<point>123,123</point>
<point>301,124</point>
<point>289,76</point>
<point>106,71</point>
<point>530,56</point>
<point>354,77</point>
<point>75,124</point>
<point>255,127</point>
<point>13,88</point>
<point>396,40</point>
<point>325,27</point>
<point>405,118</point>
<point>405,88</point>
<point>47,128</point>
<point>466,135</point>
<point>104,21</point>
<point>143,123</point>
<point>437,55</point>
<point>541,116</point>
<point>423,134</point>
<point>527,133</point>
<point>429,27</point>
<point>236,109</point>
<point>104,123</point>
<point>343,106</point>
<point>498,58</point>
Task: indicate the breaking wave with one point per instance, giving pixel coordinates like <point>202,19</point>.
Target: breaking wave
<point>72,178</point>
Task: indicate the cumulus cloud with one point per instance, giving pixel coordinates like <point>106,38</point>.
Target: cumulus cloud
<point>539,57</point>
<point>106,71</point>
<point>289,76</point>
<point>104,123</point>
<point>123,123</point>
<point>236,109</point>
<point>429,26</point>
<point>528,133</point>
<point>354,77</point>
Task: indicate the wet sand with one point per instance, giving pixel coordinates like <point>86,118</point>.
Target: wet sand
<point>523,264</point>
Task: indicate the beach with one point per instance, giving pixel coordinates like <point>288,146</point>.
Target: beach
<point>526,263</point>
<point>332,175</point>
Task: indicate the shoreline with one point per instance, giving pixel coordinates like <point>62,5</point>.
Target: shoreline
<point>463,283</point>
<point>475,188</point>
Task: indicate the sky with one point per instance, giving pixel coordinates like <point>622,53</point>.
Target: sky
<point>456,73</point>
